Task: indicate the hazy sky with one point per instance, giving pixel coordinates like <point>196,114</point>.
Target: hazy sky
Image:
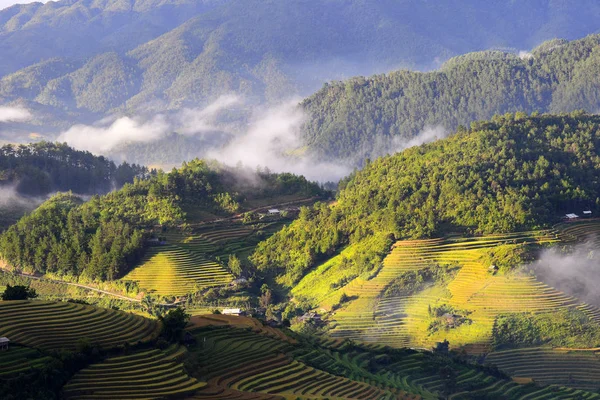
<point>8,3</point>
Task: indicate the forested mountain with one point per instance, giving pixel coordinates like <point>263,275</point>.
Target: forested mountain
<point>368,117</point>
<point>41,168</point>
<point>511,174</point>
<point>104,237</point>
<point>80,59</point>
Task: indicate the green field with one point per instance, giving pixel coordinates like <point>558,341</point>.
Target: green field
<point>61,325</point>
<point>192,261</point>
<point>151,374</point>
<point>18,360</point>
<point>575,368</point>
<point>402,320</point>
<point>239,363</point>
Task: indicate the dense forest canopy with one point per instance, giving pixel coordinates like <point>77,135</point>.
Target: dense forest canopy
<point>104,237</point>
<point>41,168</point>
<point>367,117</point>
<point>515,172</point>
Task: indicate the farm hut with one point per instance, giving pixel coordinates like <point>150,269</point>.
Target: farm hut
<point>451,320</point>
<point>239,282</point>
<point>571,216</point>
<point>493,268</point>
<point>273,211</point>
<point>310,316</point>
<point>587,213</point>
<point>233,311</point>
<point>4,341</point>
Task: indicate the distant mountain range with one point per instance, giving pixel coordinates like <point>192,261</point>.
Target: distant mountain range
<point>368,117</point>
<point>74,61</point>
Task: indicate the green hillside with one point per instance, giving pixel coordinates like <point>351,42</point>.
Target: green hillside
<point>514,173</point>
<point>102,239</point>
<point>367,117</point>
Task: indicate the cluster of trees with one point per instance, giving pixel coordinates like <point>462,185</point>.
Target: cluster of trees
<point>18,292</point>
<point>367,117</point>
<point>102,238</point>
<point>563,328</point>
<point>512,173</point>
<point>41,168</point>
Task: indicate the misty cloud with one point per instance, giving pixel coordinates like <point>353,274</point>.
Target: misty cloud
<point>108,133</point>
<point>427,135</point>
<point>271,136</point>
<point>9,198</point>
<point>14,114</point>
<point>575,271</point>
<point>266,141</point>
<point>525,55</point>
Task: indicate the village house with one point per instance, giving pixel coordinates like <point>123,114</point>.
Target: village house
<point>310,317</point>
<point>233,311</point>
<point>452,320</point>
<point>239,282</point>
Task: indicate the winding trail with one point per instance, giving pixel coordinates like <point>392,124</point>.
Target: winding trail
<point>39,278</point>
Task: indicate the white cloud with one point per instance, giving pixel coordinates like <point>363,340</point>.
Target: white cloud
<point>14,114</point>
<point>268,140</point>
<point>524,55</point>
<point>101,138</point>
<point>199,120</point>
<point>108,133</point>
<point>575,271</point>
<point>428,134</point>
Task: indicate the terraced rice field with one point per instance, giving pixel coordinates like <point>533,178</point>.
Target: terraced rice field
<point>150,374</point>
<point>254,364</point>
<point>186,264</point>
<point>575,368</point>
<point>60,325</point>
<point>402,321</point>
<point>242,361</point>
<point>174,270</point>
<point>581,232</point>
<point>19,360</point>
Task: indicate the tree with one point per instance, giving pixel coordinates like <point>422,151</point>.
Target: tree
<point>235,265</point>
<point>173,324</point>
<point>266,296</point>
<point>18,292</point>
<point>149,304</point>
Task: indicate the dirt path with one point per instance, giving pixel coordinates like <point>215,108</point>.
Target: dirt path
<point>39,278</point>
<point>238,216</point>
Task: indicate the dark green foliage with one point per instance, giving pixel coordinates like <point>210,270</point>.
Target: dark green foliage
<point>67,238</point>
<point>41,168</point>
<point>512,173</point>
<point>563,328</point>
<point>18,292</point>
<point>410,282</point>
<point>315,235</point>
<point>377,115</point>
<point>173,324</point>
<point>104,237</point>
<point>507,256</point>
